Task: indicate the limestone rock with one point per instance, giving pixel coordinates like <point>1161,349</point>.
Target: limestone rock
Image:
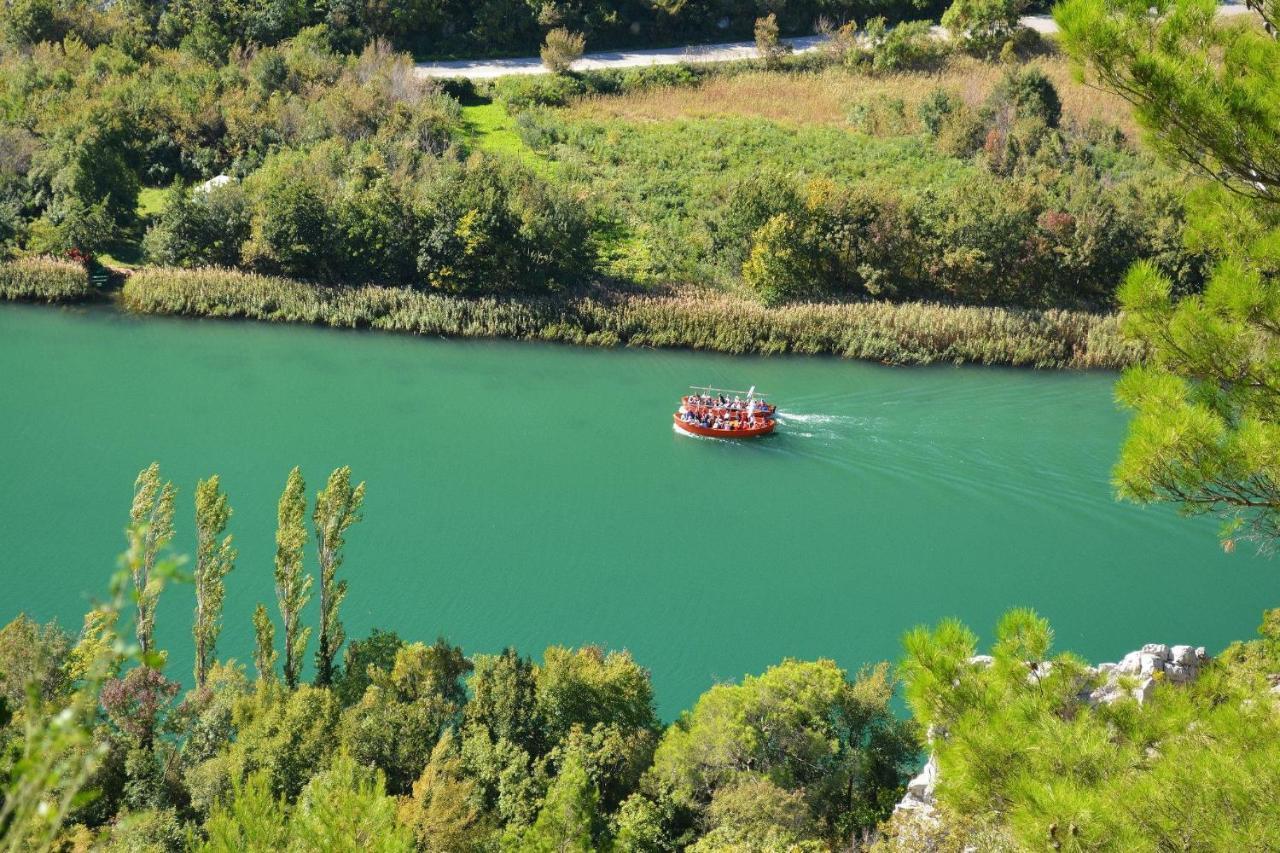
<point>1160,650</point>
<point>1184,655</point>
<point>1150,663</point>
<point>1130,664</point>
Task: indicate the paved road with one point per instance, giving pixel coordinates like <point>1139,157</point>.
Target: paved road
<point>483,69</point>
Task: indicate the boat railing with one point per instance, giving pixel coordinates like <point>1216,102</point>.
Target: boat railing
<point>713,391</point>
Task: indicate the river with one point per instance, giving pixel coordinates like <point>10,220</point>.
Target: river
<point>527,494</point>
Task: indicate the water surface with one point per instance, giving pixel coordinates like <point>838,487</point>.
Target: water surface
<point>526,494</point>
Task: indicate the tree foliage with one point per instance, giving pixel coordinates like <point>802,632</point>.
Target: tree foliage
<point>151,531</point>
<point>214,559</point>
<point>337,508</point>
<point>1204,433</point>
<point>1026,762</point>
<point>293,585</point>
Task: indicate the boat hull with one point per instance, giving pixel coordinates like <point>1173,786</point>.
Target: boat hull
<point>751,432</point>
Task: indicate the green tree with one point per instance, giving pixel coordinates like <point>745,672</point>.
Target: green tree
<point>293,586</point>
<point>983,26</point>
<point>378,650</point>
<point>586,686</point>
<point>289,734</point>
<point>444,810</point>
<point>753,814</point>
<point>214,559</point>
<point>804,727</point>
<point>504,700</point>
<point>777,268</point>
<point>253,817</point>
<point>152,526</point>
<point>200,228</point>
<point>1206,400</point>
<point>337,508</point>
<point>264,648</point>
<point>346,809</point>
<point>33,657</point>
<point>570,817</point>
<point>406,710</point>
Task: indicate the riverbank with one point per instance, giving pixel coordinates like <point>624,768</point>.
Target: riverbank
<point>907,333</point>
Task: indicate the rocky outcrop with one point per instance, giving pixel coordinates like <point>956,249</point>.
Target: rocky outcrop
<point>1135,675</point>
<point>1137,672</point>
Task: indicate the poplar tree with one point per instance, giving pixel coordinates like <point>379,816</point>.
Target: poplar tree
<point>214,559</point>
<point>293,587</point>
<point>264,648</point>
<point>1206,426</point>
<point>151,530</point>
<point>337,508</point>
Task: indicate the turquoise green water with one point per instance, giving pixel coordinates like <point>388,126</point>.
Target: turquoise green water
<point>525,494</point>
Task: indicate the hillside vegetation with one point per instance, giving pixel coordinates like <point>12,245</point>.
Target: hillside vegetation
<point>887,166</point>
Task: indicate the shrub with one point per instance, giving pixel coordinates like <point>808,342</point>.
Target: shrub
<point>520,92</point>
<point>768,45</point>
<point>43,279</point>
<point>937,109</point>
<point>1030,93</point>
<point>561,49</point>
<point>908,47</point>
<point>981,27</point>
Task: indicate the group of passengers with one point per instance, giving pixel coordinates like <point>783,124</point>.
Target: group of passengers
<point>713,418</point>
<point>720,401</point>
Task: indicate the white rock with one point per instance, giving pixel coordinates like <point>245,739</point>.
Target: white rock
<point>1130,664</point>
<point>1201,654</point>
<point>1160,650</point>
<point>1180,673</point>
<point>921,786</point>
<point>1144,690</point>
<point>1106,668</point>
<point>1182,654</point>
<point>1150,663</point>
<point>982,660</point>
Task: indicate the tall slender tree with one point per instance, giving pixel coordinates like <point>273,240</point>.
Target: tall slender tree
<point>152,521</point>
<point>293,586</point>
<point>214,559</point>
<point>337,508</point>
<point>264,648</point>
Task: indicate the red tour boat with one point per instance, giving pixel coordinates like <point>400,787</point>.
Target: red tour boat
<point>718,413</point>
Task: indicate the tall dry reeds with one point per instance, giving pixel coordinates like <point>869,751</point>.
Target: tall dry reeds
<point>911,333</point>
<point>42,279</point>
<point>826,97</point>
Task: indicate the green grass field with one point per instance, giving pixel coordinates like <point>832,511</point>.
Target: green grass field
<point>127,253</point>
<point>489,127</point>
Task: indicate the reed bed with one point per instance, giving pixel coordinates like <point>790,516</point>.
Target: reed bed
<point>912,333</point>
<point>42,279</point>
